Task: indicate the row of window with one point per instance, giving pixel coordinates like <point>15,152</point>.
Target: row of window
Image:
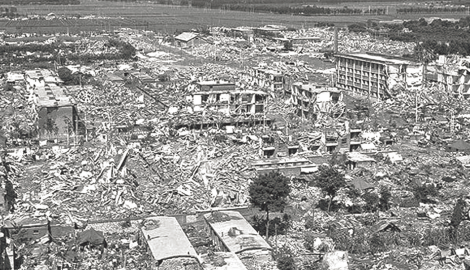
<point>358,62</point>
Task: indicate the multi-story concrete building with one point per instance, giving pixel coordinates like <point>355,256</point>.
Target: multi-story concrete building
<point>377,76</point>
<point>268,79</point>
<point>225,98</point>
<point>451,74</point>
<point>311,100</point>
<point>57,115</point>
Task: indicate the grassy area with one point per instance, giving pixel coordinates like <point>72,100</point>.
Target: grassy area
<point>170,18</point>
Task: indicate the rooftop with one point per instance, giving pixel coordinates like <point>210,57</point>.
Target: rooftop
<point>235,232</point>
<point>186,36</point>
<point>257,92</point>
<point>166,239</point>
<point>52,95</point>
<point>11,76</point>
<point>38,73</point>
<point>382,59</point>
<point>215,83</point>
<point>314,88</point>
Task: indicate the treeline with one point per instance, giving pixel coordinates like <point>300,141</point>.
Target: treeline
<point>39,2</point>
<point>415,10</point>
<point>49,48</point>
<point>4,10</point>
<point>10,53</point>
<point>437,37</point>
<point>306,10</point>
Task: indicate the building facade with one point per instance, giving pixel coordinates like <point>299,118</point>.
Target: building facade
<point>452,74</point>
<point>311,100</point>
<point>377,76</point>
<point>225,98</point>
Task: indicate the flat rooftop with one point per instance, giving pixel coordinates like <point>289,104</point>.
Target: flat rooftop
<point>382,59</point>
<point>212,83</point>
<point>235,232</point>
<point>52,95</point>
<point>256,92</point>
<point>315,88</point>
<point>167,240</point>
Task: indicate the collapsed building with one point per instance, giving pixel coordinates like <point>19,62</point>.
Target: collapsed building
<point>266,78</point>
<point>311,100</point>
<point>376,75</point>
<point>451,74</point>
<point>232,234</point>
<point>187,40</point>
<point>57,115</point>
<point>225,98</point>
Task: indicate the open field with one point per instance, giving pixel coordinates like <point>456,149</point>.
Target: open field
<point>170,18</point>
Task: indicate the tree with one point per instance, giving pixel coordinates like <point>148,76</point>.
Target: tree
<point>330,180</point>
<point>269,192</point>
<point>10,196</point>
<point>457,216</point>
<point>66,75</point>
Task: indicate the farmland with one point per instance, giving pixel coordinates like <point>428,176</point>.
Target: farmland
<point>164,18</point>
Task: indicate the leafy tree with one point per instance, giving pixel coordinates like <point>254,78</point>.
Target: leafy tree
<point>269,192</point>
<point>330,180</point>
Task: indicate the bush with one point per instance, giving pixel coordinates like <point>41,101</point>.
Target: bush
<point>385,197</point>
<point>421,193</point>
<point>448,179</point>
<point>355,209</point>
<point>377,243</point>
<point>409,202</point>
<point>286,263</point>
<point>285,258</point>
<point>323,205</point>
<point>357,28</point>
<point>372,201</point>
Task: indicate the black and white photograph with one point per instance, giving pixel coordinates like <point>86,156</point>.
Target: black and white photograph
<point>234,135</point>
